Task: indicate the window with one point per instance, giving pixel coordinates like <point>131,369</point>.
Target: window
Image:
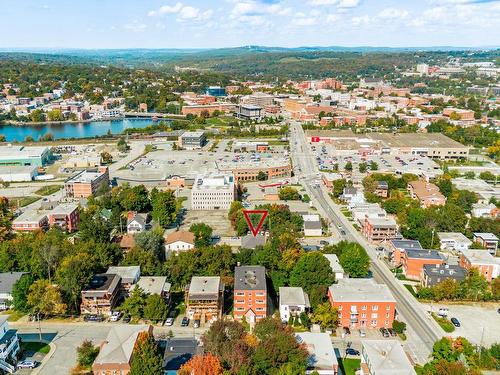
<point>239,301</point>
<point>374,315</point>
<point>363,307</point>
<point>374,322</point>
<point>388,307</point>
<point>240,294</point>
<point>375,307</point>
<point>340,315</point>
<point>339,308</point>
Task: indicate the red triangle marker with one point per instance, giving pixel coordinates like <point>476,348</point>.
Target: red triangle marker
<point>247,213</point>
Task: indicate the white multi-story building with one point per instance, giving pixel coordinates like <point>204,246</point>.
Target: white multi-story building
<point>213,191</point>
<point>9,345</point>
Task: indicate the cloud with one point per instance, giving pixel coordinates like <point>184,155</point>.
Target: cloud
<point>323,2</point>
<point>392,13</point>
<point>183,12</point>
<point>135,26</point>
<point>304,21</point>
<point>360,21</point>
<point>348,3</point>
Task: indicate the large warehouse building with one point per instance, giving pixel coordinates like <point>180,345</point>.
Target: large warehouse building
<point>24,155</point>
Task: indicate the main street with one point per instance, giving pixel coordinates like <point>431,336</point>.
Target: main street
<point>419,321</point>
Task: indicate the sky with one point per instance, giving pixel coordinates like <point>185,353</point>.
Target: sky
<point>101,24</point>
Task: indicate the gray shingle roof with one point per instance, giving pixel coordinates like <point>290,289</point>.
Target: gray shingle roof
<point>250,278</point>
<point>7,281</point>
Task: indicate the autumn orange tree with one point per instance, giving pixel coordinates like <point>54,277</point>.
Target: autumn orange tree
<point>207,364</point>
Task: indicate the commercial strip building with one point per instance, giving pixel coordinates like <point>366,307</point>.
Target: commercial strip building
<point>13,155</point>
<point>250,294</point>
<point>244,172</point>
<point>213,191</point>
<point>204,298</point>
<point>362,303</point>
<point>192,140</point>
<point>86,183</point>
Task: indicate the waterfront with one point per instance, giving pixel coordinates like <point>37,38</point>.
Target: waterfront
<point>71,130</point>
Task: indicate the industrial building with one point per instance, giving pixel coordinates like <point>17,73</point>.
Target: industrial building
<point>25,155</point>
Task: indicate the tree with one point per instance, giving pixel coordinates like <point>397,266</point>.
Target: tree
<point>363,167</point>
<point>106,157</point>
<point>165,207</point>
<point>5,219</point>
<point>354,260</point>
<point>206,364</point>
<point>74,273</point>
<point>45,298</point>
<point>146,358</point>
<point>262,176</point>
<point>288,193</point>
<point>122,145</point>
<point>135,199</point>
<point>338,187</point>
<point>325,315</point>
<point>155,308</point>
<point>134,304</point>
<point>373,165</point>
<point>86,353</point>
<point>487,176</point>
<point>445,186</point>
<point>348,166</point>
<point>151,241</point>
<point>474,286</point>
<point>93,227</point>
<point>55,115</point>
<point>202,234</point>
<point>398,326</point>
<point>20,292</point>
<point>312,270</point>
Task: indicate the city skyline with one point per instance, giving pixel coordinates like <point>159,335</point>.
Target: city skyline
<point>232,23</point>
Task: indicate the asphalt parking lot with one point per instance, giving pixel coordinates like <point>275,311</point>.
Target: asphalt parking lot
<point>479,323</point>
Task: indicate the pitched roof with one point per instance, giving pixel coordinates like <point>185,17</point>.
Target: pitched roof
<point>119,344</point>
<point>293,296</point>
<point>180,235</point>
<point>7,281</point>
<point>127,241</point>
<point>387,357</point>
<point>251,242</point>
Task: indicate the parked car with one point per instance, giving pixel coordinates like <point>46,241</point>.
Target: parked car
<point>351,351</point>
<point>196,323</point>
<point>455,322</point>
<point>169,322</point>
<point>185,322</point>
<point>127,318</point>
<point>362,333</point>
<point>93,318</point>
<point>443,312</point>
<point>27,364</point>
<point>346,330</point>
<point>115,316</point>
<point>384,332</point>
<point>392,332</point>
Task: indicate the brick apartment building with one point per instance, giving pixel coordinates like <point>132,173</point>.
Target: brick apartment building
<point>86,183</point>
<point>65,216</point>
<point>250,293</point>
<point>428,194</point>
<point>482,260</point>
<point>362,303</point>
<point>30,221</point>
<point>413,262</point>
<point>398,247</point>
<point>380,229</point>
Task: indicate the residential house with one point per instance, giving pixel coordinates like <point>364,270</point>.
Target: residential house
<point>154,285</point>
<point>434,274</point>
<point>414,260</point>
<point>485,210</point>
<point>487,240</point>
<point>322,358</point>
<point>9,345</point>
<point>398,247</point>
<point>382,189</point>
<point>137,222</point>
<point>312,225</point>
<point>293,302</point>
<point>362,303</point>
<point>250,294</point>
<point>179,241</point>
<point>116,352</point>
<point>380,229</point>
<point>129,275</point>
<point>337,269</point>
<point>482,260</point>
<point>101,295</point>
<point>127,242</point>
<point>204,298</point>
<point>384,357</point>
<point>7,281</point>
<point>251,242</point>
<point>453,241</point>
<point>428,194</point>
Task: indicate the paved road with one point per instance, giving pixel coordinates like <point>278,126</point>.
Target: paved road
<point>419,321</point>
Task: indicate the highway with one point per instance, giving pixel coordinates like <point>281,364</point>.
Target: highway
<point>407,306</point>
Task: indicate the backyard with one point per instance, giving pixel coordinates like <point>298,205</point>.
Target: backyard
<point>349,365</point>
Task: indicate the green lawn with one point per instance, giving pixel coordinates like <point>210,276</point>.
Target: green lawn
<point>445,324</point>
<point>48,190</point>
<point>411,289</point>
<point>14,316</point>
<point>22,201</point>
<point>349,365</point>
<point>38,347</point>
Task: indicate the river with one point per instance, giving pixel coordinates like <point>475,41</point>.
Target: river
<point>71,130</point>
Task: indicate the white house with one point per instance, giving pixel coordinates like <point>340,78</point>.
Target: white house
<point>9,345</point>
<point>137,223</point>
<point>337,269</point>
<point>453,241</point>
<point>484,210</point>
<point>312,226</point>
<point>293,302</point>
<point>179,241</point>
<point>384,357</point>
<point>322,358</point>
<point>7,281</point>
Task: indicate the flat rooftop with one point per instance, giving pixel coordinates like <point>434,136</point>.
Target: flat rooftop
<point>30,216</point>
<point>250,278</point>
<point>293,296</point>
<point>453,236</point>
<point>19,152</point>
<point>214,181</point>
<point>85,177</point>
<point>204,285</point>
<point>360,290</point>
